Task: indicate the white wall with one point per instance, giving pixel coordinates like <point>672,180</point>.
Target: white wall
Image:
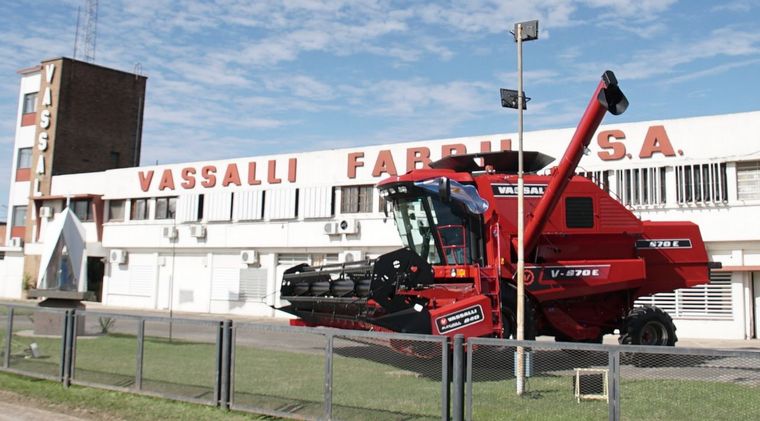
<point>11,273</point>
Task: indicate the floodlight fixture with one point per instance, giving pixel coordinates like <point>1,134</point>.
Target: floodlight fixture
<point>529,30</point>
<point>509,99</point>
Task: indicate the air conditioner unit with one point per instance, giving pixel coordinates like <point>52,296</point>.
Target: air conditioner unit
<point>249,257</point>
<point>118,257</point>
<point>331,228</point>
<point>351,256</point>
<point>15,242</point>
<point>348,226</point>
<point>170,232</point>
<point>46,212</point>
<point>198,231</point>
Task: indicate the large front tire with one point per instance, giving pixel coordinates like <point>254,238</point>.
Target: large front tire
<point>648,325</point>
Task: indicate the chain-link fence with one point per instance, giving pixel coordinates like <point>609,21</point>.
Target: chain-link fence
<point>588,381</point>
<point>321,374</point>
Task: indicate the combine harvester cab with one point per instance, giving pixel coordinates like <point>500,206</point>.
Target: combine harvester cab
<point>587,256</point>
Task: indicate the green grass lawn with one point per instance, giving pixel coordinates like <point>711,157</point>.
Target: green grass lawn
<point>371,382</point>
<point>102,404</point>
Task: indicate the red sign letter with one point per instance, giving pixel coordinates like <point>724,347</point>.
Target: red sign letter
<point>618,148</point>
<point>417,155</point>
<point>231,176</point>
<point>188,174</point>
<point>207,173</point>
<point>167,180</point>
<point>145,179</point>
<point>353,163</point>
<point>384,164</point>
<point>656,140</point>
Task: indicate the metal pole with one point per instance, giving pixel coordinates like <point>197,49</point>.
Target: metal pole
<point>140,354</point>
<point>613,384</point>
<point>328,376</point>
<point>8,338</point>
<point>457,412</point>
<point>520,222</point>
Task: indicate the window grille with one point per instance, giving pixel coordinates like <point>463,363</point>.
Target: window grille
<point>166,207</point>
<point>701,183</point>
<point>253,284</point>
<point>139,210</point>
<point>710,301</point>
<point>30,103</point>
<point>24,158</point>
<point>748,180</point>
<point>600,178</point>
<point>356,199</point>
<point>116,210</point>
<point>641,186</point>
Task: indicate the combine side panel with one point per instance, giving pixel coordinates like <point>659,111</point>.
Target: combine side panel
<point>675,255</point>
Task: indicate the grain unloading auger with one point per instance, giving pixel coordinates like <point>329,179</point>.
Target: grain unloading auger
<point>587,256</point>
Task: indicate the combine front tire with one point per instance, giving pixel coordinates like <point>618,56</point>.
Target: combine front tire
<point>648,325</point>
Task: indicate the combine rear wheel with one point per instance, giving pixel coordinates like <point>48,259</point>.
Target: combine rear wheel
<point>648,325</point>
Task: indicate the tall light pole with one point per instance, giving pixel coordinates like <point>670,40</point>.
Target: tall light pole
<point>524,31</point>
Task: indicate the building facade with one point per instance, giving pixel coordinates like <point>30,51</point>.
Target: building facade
<point>73,117</point>
<point>216,236</point>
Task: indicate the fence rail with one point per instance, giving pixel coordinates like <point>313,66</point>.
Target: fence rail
<point>330,374</point>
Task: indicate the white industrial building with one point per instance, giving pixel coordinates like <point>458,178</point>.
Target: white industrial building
<point>215,236</point>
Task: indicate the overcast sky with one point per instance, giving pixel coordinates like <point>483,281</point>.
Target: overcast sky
<point>231,78</point>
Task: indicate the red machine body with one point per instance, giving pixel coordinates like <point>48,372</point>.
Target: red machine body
<point>587,256</point>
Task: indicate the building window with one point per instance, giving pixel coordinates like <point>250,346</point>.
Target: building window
<point>641,186</point>
<point>139,210</point>
<point>701,183</point>
<point>82,208</point>
<point>166,207</point>
<point>356,199</point>
<point>30,103</point>
<point>24,158</point>
<point>19,216</point>
<point>748,180</point>
<point>116,210</point>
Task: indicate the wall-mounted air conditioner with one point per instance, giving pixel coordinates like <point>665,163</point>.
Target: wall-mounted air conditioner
<point>118,257</point>
<point>170,232</point>
<point>249,257</point>
<point>348,226</point>
<point>46,212</point>
<point>198,231</point>
<point>15,242</point>
<point>331,228</point>
<point>351,256</point>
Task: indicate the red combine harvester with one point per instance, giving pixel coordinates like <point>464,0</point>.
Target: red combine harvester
<point>587,256</point>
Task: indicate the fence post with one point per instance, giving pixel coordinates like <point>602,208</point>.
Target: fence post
<point>445,379</point>
<point>233,345</point>
<point>614,384</point>
<point>225,364</point>
<point>458,378</point>
<point>64,346</point>
<point>328,376</point>
<point>8,339</point>
<point>68,344</point>
<point>468,383</point>
<point>140,354</point>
